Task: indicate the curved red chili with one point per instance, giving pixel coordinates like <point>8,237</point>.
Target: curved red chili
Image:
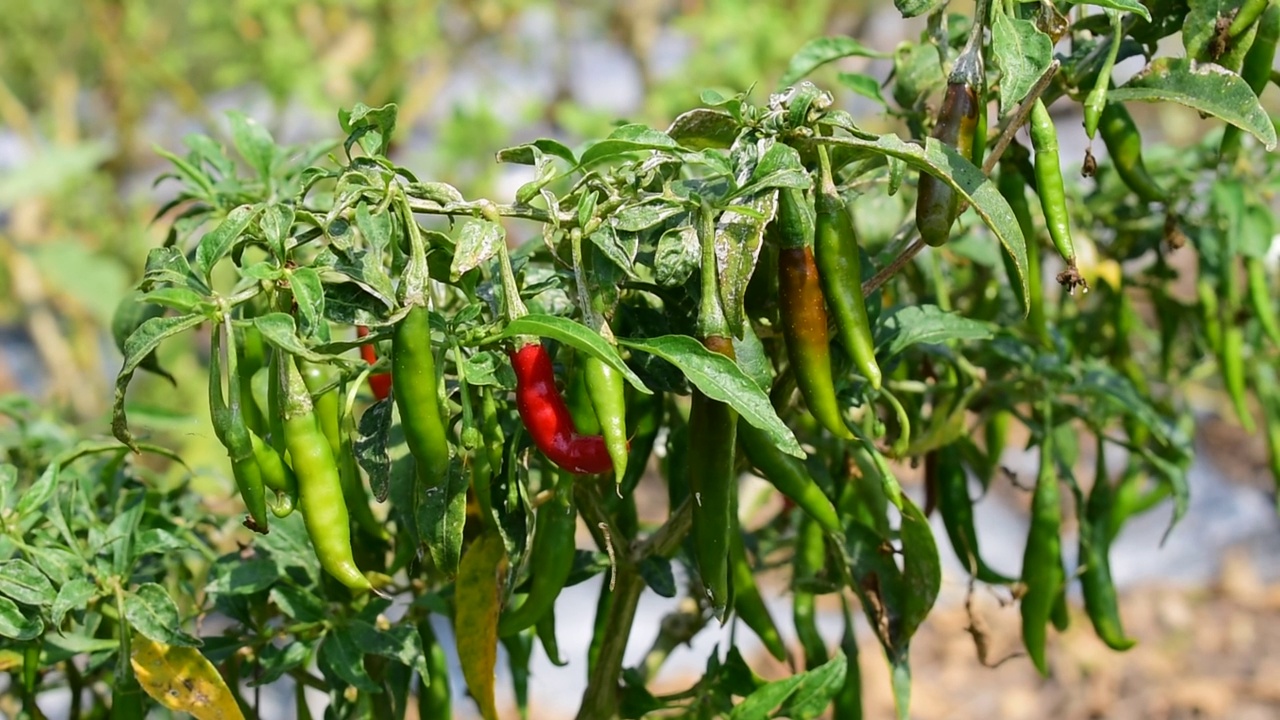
<point>379,383</point>
<point>547,418</point>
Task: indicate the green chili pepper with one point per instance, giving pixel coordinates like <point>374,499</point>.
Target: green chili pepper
<point>748,603</point>
<point>713,483</point>
<point>551,557</point>
<point>996,434</point>
<point>835,248</point>
<point>848,701</point>
<point>433,692</point>
<point>1042,571</point>
<point>1124,145</point>
<point>788,475</point>
<point>417,397</point>
<point>937,204</point>
<point>607,391</point>
<point>944,466</point>
<point>645,414</point>
<point>546,629</point>
<point>1097,98</point>
<point>1013,187</point>
<point>319,481</point>
<point>810,558</point>
<point>230,427</point>
<point>1053,196</point>
<point>276,475</point>
<point>1269,397</point>
<point>328,411</point>
<point>803,314</point>
<point>253,357</point>
<point>1233,377</point>
<point>519,647</point>
<point>578,398</point>
<point>1261,298</point>
<point>1256,70</point>
<point>1095,546</point>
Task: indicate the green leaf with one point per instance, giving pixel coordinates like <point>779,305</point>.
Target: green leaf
<point>341,657</point>
<point>1022,52</point>
<point>15,624</point>
<point>703,128</point>
<point>478,241</point>
<point>219,241</point>
<point>620,249</point>
<point>955,170</point>
<point>75,595</point>
<point>371,447</point>
<point>137,347</point>
<point>678,256</point>
<point>864,85</point>
<point>628,138</point>
<point>912,324</point>
<point>21,581</point>
<point>921,569</point>
<point>912,8</point>
<point>253,142</point>
<point>308,294</point>
<point>720,379</point>
<point>276,222</point>
<point>817,688</point>
<point>151,611</point>
<point>738,237</point>
<point>1208,88</point>
<point>656,571</point>
<point>529,153</point>
<point>401,643</point>
<point>275,661</point>
<point>806,695</point>
<point>442,511</point>
<point>577,336</point>
<point>820,51</point>
<point>1132,6</point>
<point>371,127</point>
<point>279,330</point>
<point>298,604</point>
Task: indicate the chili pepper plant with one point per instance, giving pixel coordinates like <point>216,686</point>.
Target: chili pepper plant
<point>744,289</point>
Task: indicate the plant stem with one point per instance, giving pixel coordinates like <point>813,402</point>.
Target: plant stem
<point>600,701</point>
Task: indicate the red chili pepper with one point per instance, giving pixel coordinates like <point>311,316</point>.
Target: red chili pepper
<point>547,417</point>
<point>379,383</point>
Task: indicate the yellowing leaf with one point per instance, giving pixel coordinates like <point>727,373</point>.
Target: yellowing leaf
<point>182,679</point>
<point>478,597</point>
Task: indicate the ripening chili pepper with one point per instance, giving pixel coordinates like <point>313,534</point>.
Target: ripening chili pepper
<point>937,203</point>
<point>810,558</point>
<point>413,376</point>
<point>713,483</point>
<point>788,475</point>
<point>1095,549</point>
<point>1053,195</point>
<point>433,692</point>
<point>379,383</point>
<point>324,508</point>
<point>944,465</point>
<point>1256,70</point>
<point>551,558</point>
<point>1042,570</point>
<point>547,418</point>
<point>607,390</point>
<point>748,603</point>
<point>835,249</point>
<point>230,427</point>
<point>1124,145</point>
<point>803,314</point>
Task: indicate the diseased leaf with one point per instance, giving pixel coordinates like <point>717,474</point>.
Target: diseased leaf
<point>480,585</point>
<point>151,611</point>
<point>182,679</point>
<point>1209,88</point>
